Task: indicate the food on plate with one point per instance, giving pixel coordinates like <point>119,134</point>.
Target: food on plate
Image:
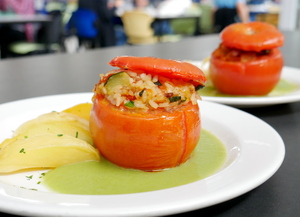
<point>248,61</point>
<point>145,114</point>
<point>57,123</point>
<point>45,152</point>
<point>171,69</point>
<point>50,140</point>
<point>81,110</point>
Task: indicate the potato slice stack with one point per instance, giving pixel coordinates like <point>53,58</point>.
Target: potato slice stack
<point>48,141</point>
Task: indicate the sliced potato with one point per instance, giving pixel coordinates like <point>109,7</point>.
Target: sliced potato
<point>6,141</point>
<point>50,140</point>
<point>58,123</point>
<point>9,140</point>
<point>82,110</point>
<point>45,151</point>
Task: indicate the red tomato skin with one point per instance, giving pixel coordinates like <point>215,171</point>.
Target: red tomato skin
<point>253,36</point>
<point>155,66</point>
<point>255,77</point>
<point>144,141</point>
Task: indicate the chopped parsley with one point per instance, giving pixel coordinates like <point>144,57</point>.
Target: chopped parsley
<point>76,136</point>
<point>22,151</point>
<point>60,135</point>
<point>129,104</point>
<point>199,87</point>
<point>33,189</point>
<point>29,177</point>
<point>175,98</point>
<point>157,83</point>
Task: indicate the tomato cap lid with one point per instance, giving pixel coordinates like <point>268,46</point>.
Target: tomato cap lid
<point>253,36</point>
<point>164,67</point>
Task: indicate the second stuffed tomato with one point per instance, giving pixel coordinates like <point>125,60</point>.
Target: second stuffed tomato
<point>237,72</point>
<point>248,61</point>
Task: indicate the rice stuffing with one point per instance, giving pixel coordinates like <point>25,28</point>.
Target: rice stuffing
<point>147,92</point>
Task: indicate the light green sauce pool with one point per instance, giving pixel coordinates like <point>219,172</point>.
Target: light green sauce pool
<point>102,178</point>
<point>283,87</point>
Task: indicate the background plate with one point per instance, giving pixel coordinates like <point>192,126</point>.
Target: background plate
<point>289,74</point>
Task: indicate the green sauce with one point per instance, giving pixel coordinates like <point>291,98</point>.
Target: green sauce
<point>102,178</point>
<point>283,87</point>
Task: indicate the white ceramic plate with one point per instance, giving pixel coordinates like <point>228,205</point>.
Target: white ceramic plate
<point>289,74</point>
<point>255,152</point>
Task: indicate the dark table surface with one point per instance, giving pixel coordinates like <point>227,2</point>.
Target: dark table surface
<point>72,73</point>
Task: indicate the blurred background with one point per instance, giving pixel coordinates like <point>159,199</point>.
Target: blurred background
<point>35,27</point>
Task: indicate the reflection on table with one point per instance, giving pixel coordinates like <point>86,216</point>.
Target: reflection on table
<point>21,19</point>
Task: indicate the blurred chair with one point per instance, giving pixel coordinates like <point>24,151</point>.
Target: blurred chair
<point>188,26</point>
<point>206,21</point>
<point>138,29</point>
<point>183,26</point>
<point>48,39</point>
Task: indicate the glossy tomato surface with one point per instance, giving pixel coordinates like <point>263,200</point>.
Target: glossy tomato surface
<point>144,140</point>
<point>237,72</point>
<point>164,67</point>
<point>253,36</point>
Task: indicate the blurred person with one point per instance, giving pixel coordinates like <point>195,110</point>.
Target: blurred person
<point>155,3</point>
<point>25,7</point>
<point>256,7</point>
<point>84,24</point>
<point>130,5</point>
<point>122,5</point>
<point>16,32</point>
<point>144,6</point>
<point>228,12</point>
<point>169,8</point>
<point>105,14</point>
<point>173,7</point>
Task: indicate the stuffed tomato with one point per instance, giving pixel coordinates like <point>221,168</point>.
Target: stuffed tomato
<point>248,61</point>
<point>144,117</point>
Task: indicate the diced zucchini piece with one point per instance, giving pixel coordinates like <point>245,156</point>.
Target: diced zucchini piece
<point>115,80</point>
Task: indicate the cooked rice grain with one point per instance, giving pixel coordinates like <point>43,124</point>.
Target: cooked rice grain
<point>146,93</point>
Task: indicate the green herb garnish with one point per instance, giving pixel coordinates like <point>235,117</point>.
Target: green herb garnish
<point>60,135</point>
<point>22,151</point>
<point>157,83</point>
<point>129,104</point>
<point>76,134</point>
<point>29,177</point>
<point>175,98</point>
<point>199,87</point>
<point>33,189</point>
